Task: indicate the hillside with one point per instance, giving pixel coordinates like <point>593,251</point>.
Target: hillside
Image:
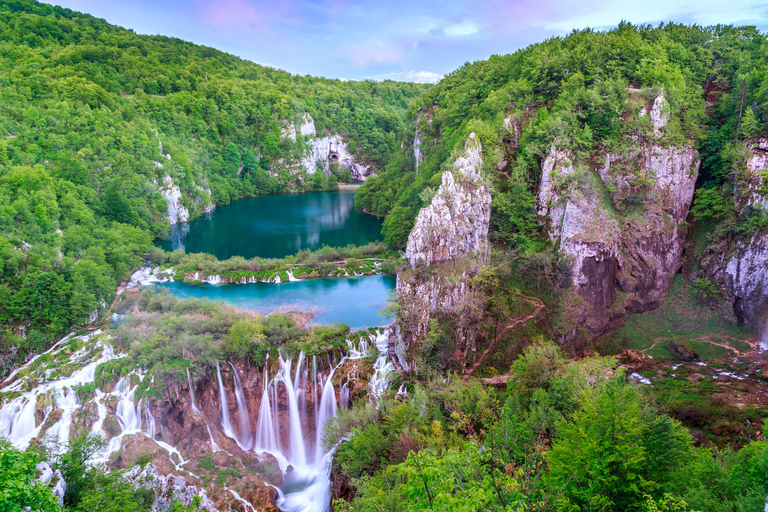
<point>579,233</point>
<point>102,130</point>
<point>595,146</point>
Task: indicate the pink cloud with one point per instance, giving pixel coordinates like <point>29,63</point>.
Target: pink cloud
<point>228,13</point>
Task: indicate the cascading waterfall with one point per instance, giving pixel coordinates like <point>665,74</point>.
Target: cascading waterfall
<point>226,425</point>
<point>344,394</point>
<point>306,464</point>
<point>298,452</point>
<point>266,435</point>
<point>246,438</point>
<point>195,410</point>
<point>326,412</point>
<point>306,390</point>
<point>382,367</point>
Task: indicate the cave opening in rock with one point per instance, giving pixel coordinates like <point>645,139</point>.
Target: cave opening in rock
<point>738,311</point>
<point>334,157</point>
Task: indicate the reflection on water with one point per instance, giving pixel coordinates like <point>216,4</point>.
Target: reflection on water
<point>355,301</point>
<point>276,226</point>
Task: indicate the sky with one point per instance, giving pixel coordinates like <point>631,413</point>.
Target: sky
<point>413,40</point>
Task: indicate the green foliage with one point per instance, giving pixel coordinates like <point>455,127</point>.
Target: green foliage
<point>97,116</point>
<point>18,488</point>
<point>246,341</point>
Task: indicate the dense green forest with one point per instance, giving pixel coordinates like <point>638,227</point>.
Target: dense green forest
<point>575,89</point>
<point>87,109</point>
<point>90,109</point>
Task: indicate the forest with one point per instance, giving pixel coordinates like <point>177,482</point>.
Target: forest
<point>90,109</point>
<point>557,417</point>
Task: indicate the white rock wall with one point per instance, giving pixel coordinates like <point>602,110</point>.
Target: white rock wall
<point>609,250</point>
<point>450,235</point>
<point>746,267</point>
<point>177,212</point>
<point>325,150</point>
<point>456,220</point>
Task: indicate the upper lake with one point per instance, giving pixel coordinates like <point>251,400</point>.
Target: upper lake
<point>276,226</point>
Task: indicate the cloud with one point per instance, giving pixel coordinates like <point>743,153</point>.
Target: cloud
<point>228,13</point>
<point>465,28</point>
<point>419,77</point>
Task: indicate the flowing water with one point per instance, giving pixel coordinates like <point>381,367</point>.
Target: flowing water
<point>303,458</point>
<point>764,339</point>
<point>355,301</point>
<point>276,226</point>
<point>306,386</point>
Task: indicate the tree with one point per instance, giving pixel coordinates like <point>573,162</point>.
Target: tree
<point>599,459</point>
<point>18,488</point>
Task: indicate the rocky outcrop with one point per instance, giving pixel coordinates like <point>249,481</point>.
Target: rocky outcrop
<point>177,212</point>
<point>446,248</point>
<point>173,196</point>
<point>456,220</point>
<point>167,489</point>
<point>324,151</point>
<point>619,225</point>
<point>743,264</point>
<point>52,478</point>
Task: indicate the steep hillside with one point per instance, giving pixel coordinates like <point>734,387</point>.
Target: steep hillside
<point>592,146</point>
<point>107,137</point>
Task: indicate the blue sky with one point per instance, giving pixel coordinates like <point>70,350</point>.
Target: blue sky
<point>401,40</point>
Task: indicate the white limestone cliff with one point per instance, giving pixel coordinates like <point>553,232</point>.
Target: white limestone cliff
<point>324,150</point>
<point>456,220</point>
<point>173,195</point>
<point>746,266</point>
<point>611,250</point>
<point>450,239</point>
<point>177,212</point>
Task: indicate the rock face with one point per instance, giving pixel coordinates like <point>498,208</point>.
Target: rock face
<point>744,263</point>
<point>177,212</point>
<point>447,246</point>
<point>167,488</point>
<point>619,225</point>
<point>323,151</point>
<point>456,221</point>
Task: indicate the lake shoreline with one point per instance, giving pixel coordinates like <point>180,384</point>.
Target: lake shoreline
<point>276,226</point>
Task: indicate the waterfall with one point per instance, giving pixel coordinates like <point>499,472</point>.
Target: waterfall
<point>326,412</point>
<point>17,421</point>
<point>126,410</point>
<point>382,367</point>
<point>225,423</point>
<point>149,420</point>
<point>214,447</point>
<point>266,435</point>
<point>298,453</point>
<point>314,386</point>
<point>246,440</point>
<point>344,394</point>
<point>195,410</point>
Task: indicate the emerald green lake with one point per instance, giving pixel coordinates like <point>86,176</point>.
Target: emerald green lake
<point>355,301</point>
<point>276,226</point>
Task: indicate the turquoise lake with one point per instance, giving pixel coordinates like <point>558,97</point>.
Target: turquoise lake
<point>276,226</point>
<point>355,301</point>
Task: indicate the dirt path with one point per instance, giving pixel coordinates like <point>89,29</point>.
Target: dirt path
<point>539,305</point>
<point>707,338</point>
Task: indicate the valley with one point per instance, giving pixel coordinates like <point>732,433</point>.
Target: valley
<point>539,284</point>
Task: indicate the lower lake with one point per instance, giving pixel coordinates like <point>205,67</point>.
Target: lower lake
<point>355,301</point>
